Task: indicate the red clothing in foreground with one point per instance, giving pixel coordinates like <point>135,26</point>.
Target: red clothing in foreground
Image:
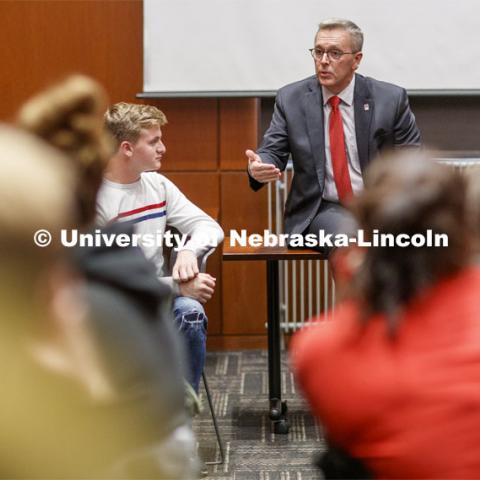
<point>409,407</point>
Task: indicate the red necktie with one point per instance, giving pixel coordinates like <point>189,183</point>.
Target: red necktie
<point>338,152</point>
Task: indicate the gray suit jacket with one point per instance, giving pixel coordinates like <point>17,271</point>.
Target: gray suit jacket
<point>383,120</point>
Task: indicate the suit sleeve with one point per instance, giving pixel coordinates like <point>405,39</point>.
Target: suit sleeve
<point>406,132</point>
<point>275,147</point>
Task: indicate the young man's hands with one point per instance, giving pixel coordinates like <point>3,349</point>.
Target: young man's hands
<point>186,266</point>
<point>199,286</point>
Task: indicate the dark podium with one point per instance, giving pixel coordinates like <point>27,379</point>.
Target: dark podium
<point>272,255</point>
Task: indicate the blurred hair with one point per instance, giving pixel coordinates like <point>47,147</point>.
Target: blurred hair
<point>356,35</point>
<point>409,193</point>
<point>35,193</point>
<point>69,116</point>
<point>126,120</point>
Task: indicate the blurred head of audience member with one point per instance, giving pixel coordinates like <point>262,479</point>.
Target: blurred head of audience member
<point>35,194</point>
<point>69,116</point>
<point>409,194</point>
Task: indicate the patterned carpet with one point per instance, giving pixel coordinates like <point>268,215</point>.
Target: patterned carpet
<point>238,384</point>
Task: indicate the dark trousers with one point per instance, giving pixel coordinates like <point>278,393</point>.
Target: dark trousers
<point>334,219</point>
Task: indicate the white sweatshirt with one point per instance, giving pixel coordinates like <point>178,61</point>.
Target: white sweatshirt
<point>154,203</point>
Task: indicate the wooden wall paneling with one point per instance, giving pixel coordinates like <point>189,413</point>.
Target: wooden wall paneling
<point>244,283</point>
<point>244,292</point>
<point>191,135</point>
<point>244,307</point>
<point>236,342</point>
<point>44,40</point>
<point>241,207</point>
<point>239,121</point>
<point>203,189</point>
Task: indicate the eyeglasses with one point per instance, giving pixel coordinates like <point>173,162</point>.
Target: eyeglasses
<point>335,55</point>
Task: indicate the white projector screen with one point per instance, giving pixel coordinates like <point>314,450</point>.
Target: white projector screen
<point>228,46</point>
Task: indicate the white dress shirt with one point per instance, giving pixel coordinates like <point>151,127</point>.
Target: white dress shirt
<point>348,118</point>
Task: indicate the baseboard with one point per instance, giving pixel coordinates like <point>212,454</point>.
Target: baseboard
<point>236,342</point>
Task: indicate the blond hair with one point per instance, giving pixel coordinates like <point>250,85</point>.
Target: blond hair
<point>69,116</point>
<point>126,120</point>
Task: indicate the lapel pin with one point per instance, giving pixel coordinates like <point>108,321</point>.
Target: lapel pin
<point>366,107</point>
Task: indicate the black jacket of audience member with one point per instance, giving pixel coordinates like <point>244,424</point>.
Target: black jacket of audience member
<point>131,322</point>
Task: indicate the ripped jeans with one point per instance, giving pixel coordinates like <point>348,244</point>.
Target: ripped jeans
<point>191,322</point>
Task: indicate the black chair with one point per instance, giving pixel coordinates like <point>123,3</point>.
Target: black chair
<point>202,266</point>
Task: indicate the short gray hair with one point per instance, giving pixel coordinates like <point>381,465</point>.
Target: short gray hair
<point>353,29</point>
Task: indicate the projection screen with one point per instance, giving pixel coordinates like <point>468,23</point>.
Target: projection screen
<point>228,46</point>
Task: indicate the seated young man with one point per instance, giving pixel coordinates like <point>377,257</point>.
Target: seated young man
<point>133,191</point>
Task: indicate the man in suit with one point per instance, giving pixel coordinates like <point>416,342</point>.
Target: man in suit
<point>332,124</point>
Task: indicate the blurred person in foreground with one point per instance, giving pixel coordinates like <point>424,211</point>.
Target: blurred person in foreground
<point>128,324</point>
<point>50,379</point>
<point>134,192</point>
<point>394,377</point>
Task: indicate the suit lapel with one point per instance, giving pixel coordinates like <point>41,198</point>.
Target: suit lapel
<point>314,119</point>
<point>364,109</point>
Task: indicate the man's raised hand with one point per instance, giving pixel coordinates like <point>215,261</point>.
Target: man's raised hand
<point>261,172</point>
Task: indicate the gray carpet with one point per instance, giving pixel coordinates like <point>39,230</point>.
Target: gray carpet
<point>238,383</point>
